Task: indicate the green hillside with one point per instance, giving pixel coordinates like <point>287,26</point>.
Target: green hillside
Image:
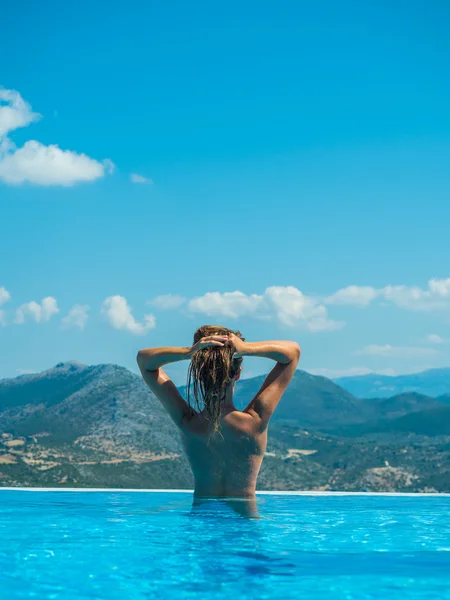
<point>100,426</point>
<point>433,422</point>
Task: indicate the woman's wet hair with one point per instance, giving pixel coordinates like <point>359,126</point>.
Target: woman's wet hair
<point>211,371</point>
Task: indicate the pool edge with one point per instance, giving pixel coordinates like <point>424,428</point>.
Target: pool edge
<point>259,492</point>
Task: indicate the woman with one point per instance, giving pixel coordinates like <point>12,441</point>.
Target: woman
<point>225,446</point>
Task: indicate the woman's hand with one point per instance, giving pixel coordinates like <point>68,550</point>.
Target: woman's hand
<point>207,342</point>
<point>238,344</point>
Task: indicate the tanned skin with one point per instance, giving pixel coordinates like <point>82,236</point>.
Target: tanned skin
<point>225,464</point>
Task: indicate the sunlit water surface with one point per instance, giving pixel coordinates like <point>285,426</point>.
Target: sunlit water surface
<point>80,545</point>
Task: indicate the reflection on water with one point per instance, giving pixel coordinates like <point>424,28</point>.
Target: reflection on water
<point>228,539</point>
<point>245,507</point>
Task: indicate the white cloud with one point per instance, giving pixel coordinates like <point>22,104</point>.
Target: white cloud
<point>49,165</point>
<point>14,112</point>
<point>167,301</point>
<point>288,304</point>
<point>440,287</point>
<point>433,338</point>
<point>38,312</point>
<point>34,162</point>
<point>118,314</point>
<point>76,317</point>
<point>5,296</point>
<point>353,295</point>
<point>135,178</point>
<point>389,351</point>
<point>228,304</point>
<point>292,307</point>
<point>109,166</point>
<point>435,297</point>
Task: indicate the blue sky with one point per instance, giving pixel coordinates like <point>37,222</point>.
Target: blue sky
<point>283,151</point>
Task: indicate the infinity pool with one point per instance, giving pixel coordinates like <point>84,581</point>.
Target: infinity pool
<point>138,545</point>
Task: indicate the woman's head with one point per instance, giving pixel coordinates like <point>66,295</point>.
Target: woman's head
<point>211,371</point>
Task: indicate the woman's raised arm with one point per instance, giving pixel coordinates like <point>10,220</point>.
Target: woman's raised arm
<point>287,355</point>
<point>152,359</point>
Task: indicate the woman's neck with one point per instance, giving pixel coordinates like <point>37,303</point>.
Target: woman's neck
<point>227,403</point>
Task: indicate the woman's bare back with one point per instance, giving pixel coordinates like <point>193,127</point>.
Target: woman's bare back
<point>225,463</point>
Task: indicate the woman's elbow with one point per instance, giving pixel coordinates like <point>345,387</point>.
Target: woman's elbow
<point>296,351</point>
<point>140,357</point>
<point>146,360</point>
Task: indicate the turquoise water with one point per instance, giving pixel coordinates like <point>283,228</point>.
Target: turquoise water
<point>133,546</point>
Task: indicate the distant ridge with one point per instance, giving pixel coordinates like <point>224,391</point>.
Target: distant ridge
<point>69,365</point>
<point>432,382</point>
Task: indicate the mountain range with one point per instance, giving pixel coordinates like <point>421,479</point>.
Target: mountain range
<point>433,382</point>
<point>100,426</point>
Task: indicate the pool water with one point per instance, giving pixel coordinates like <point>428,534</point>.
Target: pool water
<point>133,546</point>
